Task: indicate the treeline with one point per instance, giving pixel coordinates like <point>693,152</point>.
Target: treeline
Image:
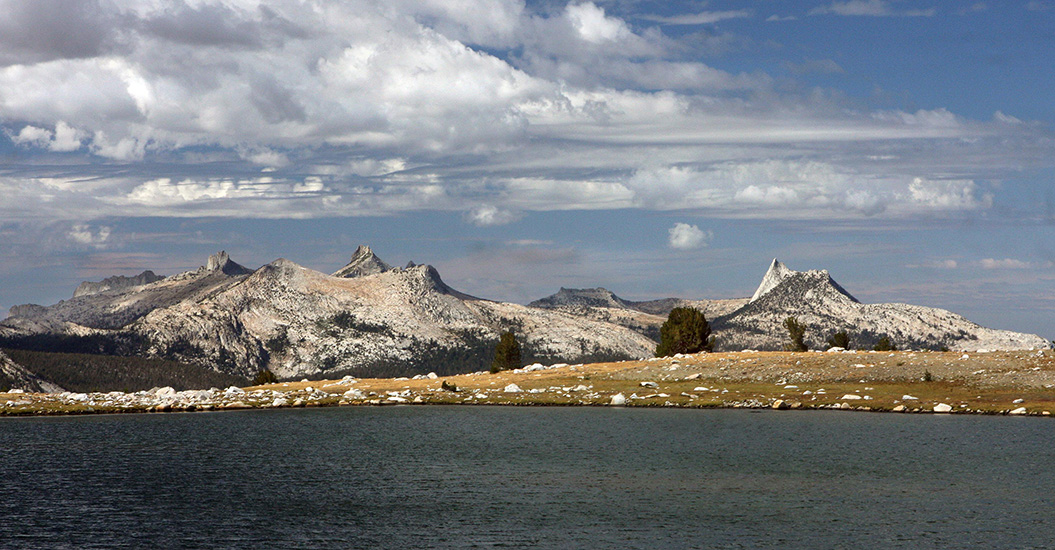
<point>125,344</point>
<point>83,372</point>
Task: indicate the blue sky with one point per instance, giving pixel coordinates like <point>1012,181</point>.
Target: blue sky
<point>654,148</point>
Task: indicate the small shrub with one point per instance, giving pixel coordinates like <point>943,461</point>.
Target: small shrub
<point>447,386</point>
<point>685,331</point>
<point>797,334</point>
<point>264,377</point>
<point>840,339</point>
<point>884,344</point>
<point>927,376</point>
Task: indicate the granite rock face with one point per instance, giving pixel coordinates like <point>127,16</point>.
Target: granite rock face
<point>364,262</point>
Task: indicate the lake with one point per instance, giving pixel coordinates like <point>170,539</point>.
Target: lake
<point>527,477</point>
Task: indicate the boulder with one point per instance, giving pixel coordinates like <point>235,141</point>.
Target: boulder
<point>1018,411</point>
<point>850,397</point>
<point>780,405</point>
<point>512,388</point>
<point>942,408</point>
<point>618,400</point>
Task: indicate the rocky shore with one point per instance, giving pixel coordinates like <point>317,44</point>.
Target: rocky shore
<point>1016,383</point>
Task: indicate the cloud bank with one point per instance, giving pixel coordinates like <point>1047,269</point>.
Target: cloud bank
<point>307,109</point>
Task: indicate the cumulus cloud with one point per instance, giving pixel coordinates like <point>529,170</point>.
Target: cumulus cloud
<point>488,216</point>
<point>83,234</point>
<point>687,237</point>
<point>64,139</point>
<point>948,194</point>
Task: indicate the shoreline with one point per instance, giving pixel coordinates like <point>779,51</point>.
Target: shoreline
<point>990,383</point>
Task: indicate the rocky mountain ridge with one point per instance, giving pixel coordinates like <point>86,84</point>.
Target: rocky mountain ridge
<point>825,307</point>
<point>299,322</point>
<point>369,318</point>
<point>117,282</point>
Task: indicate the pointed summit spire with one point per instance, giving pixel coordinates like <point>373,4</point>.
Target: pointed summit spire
<point>364,262</point>
<point>222,262</point>
<point>774,276</point>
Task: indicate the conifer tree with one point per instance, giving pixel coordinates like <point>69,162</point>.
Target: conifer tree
<point>797,333</point>
<point>685,331</point>
<point>507,353</point>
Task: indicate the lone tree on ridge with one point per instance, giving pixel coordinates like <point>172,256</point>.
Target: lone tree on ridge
<point>797,333</point>
<point>685,331</point>
<point>507,353</point>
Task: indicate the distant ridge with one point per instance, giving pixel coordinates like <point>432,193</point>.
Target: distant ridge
<point>117,282</point>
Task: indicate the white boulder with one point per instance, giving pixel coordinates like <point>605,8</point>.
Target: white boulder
<point>512,388</point>
<point>942,408</point>
<point>618,400</point>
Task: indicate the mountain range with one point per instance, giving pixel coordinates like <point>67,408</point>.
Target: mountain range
<point>369,318</point>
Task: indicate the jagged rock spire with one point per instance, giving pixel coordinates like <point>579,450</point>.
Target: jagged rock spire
<point>364,262</point>
<point>774,276</point>
<point>222,262</point>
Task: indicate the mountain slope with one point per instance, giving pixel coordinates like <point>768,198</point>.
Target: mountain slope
<point>14,376</point>
<point>299,322</point>
<point>817,301</point>
<point>92,313</point>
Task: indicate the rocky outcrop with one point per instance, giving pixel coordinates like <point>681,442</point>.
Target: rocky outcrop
<point>118,282</point>
<point>364,262</point>
<point>222,262</point>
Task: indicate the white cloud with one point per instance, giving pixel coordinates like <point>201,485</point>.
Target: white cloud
<point>687,237</point>
<point>1007,263</point>
<point>85,235</point>
<point>936,264</point>
<point>400,106</point>
<point>33,136</point>
<point>487,216</point>
<point>948,194</point>
<point>874,8</point>
<point>64,139</point>
<point>701,18</point>
<point>594,26</point>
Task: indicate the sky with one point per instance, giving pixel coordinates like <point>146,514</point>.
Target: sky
<point>653,148</point>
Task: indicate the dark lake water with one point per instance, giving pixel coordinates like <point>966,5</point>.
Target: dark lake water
<point>484,477</point>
